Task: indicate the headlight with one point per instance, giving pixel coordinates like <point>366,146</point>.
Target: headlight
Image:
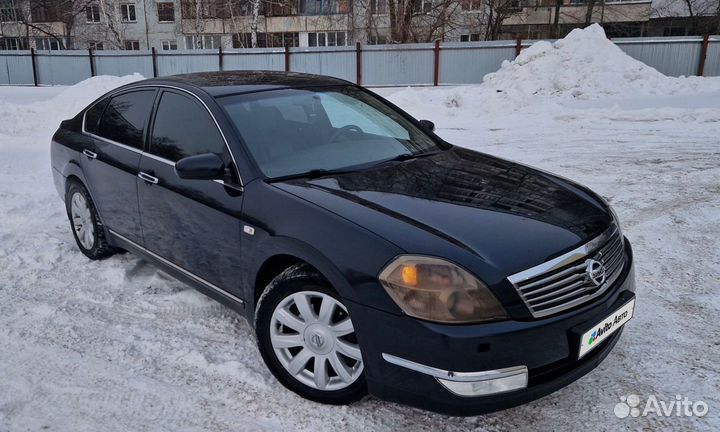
<point>436,290</point>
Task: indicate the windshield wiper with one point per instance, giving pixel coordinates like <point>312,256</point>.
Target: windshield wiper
<point>321,172</point>
<point>407,156</point>
<point>311,174</point>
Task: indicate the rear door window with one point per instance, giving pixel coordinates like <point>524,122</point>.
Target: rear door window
<point>183,127</point>
<point>125,118</point>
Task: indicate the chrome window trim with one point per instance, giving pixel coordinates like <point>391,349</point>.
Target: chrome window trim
<point>159,159</point>
<point>180,269</point>
<point>158,86</point>
<point>109,141</point>
<point>455,376</point>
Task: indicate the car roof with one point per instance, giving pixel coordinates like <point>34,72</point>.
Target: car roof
<point>235,82</point>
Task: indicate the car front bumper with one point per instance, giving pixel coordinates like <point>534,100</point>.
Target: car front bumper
<point>407,358</point>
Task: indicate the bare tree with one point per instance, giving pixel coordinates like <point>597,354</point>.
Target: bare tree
<point>411,20</point>
<point>114,27</point>
<point>496,12</point>
<point>556,19</point>
<point>589,7</point>
<point>39,17</point>
<point>704,15</point>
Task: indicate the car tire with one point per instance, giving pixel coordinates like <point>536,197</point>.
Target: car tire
<point>85,223</point>
<point>318,357</point>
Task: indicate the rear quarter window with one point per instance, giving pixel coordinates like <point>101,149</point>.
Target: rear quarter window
<point>93,114</point>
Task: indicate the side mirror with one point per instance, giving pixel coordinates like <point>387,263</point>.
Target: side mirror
<point>427,125</point>
<point>207,166</point>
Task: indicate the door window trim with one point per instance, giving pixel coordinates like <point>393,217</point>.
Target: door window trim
<point>108,140</point>
<point>143,152</point>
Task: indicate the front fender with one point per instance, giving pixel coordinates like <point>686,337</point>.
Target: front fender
<point>349,256</point>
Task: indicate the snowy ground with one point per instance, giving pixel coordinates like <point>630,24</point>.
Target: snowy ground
<point>118,345</point>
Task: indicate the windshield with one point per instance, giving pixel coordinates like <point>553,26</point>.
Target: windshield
<point>293,131</point>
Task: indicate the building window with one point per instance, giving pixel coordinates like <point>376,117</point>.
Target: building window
<point>338,38</point>
<point>474,37</point>
<point>9,13</point>
<point>244,40</point>
<point>132,45</point>
<point>12,44</point>
<point>283,7</point>
<point>286,39</point>
<point>127,13</point>
<point>202,42</point>
<point>377,40</point>
<point>245,8</point>
<point>423,6</point>
<point>166,12</point>
<point>47,44</point>
<point>323,7</point>
<point>471,5</point>
<point>92,14</point>
<point>379,7</point>
<point>96,46</point>
<point>44,10</point>
<point>207,9</point>
<point>169,45</point>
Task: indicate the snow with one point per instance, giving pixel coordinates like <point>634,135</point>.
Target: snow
<point>119,345</point>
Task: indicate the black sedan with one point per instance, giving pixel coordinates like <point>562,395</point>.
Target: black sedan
<point>369,254</point>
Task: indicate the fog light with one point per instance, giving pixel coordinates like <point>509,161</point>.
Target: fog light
<point>514,380</point>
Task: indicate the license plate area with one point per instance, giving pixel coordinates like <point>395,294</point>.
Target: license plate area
<point>603,329</point>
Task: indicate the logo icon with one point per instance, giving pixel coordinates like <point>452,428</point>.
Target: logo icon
<point>593,337</point>
<point>317,340</point>
<point>595,272</point>
<point>628,406</point>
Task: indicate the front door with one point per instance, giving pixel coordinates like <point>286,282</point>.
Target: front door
<point>195,224</point>
<point>116,128</point>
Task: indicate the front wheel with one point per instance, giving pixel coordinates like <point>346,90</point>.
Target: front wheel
<point>307,339</point>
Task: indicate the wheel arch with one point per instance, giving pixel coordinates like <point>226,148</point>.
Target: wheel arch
<point>286,253</point>
<point>73,172</point>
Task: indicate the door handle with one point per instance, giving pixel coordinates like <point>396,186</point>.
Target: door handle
<point>148,178</point>
<point>91,155</point>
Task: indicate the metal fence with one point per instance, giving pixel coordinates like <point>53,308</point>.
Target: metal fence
<point>441,63</point>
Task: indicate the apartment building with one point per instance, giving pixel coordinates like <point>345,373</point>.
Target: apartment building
<point>536,18</point>
<point>211,24</point>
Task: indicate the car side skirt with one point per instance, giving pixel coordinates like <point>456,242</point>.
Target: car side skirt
<point>180,273</point>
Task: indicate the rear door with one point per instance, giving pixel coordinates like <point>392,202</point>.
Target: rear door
<point>195,224</point>
<point>117,126</point>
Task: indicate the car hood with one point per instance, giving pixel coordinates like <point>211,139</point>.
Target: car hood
<point>510,215</point>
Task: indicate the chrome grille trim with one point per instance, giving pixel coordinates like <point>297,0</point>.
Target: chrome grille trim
<point>561,283</point>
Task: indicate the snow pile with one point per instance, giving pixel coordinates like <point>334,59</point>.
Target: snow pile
<point>22,119</point>
<point>583,66</point>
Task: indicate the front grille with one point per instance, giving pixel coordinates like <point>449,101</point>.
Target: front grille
<point>565,282</point>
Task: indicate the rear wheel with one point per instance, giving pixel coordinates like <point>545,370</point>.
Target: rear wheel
<point>307,339</point>
<point>85,223</point>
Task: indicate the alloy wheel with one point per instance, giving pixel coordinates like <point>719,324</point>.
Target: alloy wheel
<point>82,220</point>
